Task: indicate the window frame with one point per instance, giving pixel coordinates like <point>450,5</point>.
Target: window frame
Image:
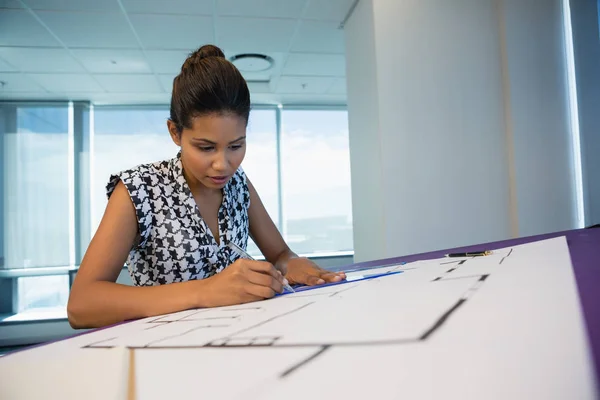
<point>81,137</point>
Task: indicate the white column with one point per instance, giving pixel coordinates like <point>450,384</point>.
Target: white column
<point>439,127</point>
<point>586,36</point>
<point>539,106</point>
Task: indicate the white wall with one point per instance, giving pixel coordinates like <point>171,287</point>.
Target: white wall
<point>586,45</point>
<point>538,101</point>
<point>453,126</point>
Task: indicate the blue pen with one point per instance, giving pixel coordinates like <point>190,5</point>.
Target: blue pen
<point>237,249</point>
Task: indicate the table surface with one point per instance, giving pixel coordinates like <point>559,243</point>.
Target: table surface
<point>584,246</point>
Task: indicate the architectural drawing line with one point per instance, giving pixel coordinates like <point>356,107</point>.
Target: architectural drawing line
<point>449,262</point>
<point>305,361</point>
<point>99,341</point>
<point>442,319</point>
<point>452,278</point>
<point>184,333</point>
<point>509,253</point>
<point>156,325</point>
<point>269,320</point>
<point>343,290</point>
<point>243,309</point>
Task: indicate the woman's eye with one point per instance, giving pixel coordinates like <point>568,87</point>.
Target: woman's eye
<point>205,148</point>
<point>236,146</point>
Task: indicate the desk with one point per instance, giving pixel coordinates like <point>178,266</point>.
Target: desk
<point>370,349</point>
<point>584,246</point>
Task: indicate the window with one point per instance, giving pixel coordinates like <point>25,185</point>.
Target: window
<point>36,198</point>
<point>260,163</point>
<point>122,139</point>
<point>43,292</point>
<point>53,194</point>
<point>315,171</point>
<point>35,186</point>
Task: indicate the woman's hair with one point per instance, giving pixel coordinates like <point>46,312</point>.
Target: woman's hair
<point>208,84</point>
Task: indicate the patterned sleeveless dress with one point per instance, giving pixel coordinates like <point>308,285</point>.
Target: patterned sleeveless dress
<point>174,243</point>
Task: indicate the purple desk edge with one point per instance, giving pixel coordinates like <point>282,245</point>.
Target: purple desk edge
<point>584,246</point>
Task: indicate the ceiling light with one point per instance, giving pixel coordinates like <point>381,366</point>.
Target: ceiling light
<point>251,62</point>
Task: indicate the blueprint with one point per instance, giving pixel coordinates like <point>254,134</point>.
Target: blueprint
<point>507,325</point>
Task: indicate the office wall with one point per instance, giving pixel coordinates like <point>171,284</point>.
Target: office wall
<point>439,124</point>
<point>586,46</point>
<point>465,137</point>
<point>539,110</point>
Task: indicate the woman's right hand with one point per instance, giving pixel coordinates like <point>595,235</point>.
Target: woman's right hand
<point>243,281</point>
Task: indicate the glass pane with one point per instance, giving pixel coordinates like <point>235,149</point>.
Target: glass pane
<point>43,293</point>
<point>316,181</point>
<point>124,138</point>
<point>35,186</point>
<point>260,163</point>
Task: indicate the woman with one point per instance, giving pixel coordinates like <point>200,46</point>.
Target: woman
<point>172,221</point>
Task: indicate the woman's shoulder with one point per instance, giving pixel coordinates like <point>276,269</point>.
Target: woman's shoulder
<point>147,174</point>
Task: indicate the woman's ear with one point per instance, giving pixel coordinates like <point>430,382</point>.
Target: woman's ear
<point>174,132</point>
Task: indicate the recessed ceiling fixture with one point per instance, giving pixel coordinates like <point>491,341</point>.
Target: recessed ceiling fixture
<point>252,62</point>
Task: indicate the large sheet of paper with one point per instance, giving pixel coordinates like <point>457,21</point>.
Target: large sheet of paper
<point>508,325</point>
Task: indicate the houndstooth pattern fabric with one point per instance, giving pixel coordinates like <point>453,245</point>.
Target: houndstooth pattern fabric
<point>174,243</point>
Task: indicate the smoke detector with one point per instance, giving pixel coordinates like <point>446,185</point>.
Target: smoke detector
<point>251,62</point>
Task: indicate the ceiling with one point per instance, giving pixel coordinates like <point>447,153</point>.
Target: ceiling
<point>129,51</point>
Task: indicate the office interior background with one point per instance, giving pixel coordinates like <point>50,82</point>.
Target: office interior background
<point>379,127</point>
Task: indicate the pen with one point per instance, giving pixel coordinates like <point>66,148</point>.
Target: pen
<point>471,254</point>
<point>237,249</point>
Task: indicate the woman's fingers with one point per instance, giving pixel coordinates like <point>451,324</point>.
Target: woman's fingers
<point>265,280</point>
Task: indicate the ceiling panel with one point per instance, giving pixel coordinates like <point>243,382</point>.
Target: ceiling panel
<point>66,82</point>
<point>338,86</point>
<point>315,64</point>
<point>262,8</point>
<point>304,85</point>
<point>184,7</point>
<point>166,61</point>
<point>112,61</point>
<point>16,82</point>
<point>79,29</point>
<point>319,37</point>
<point>255,34</point>
<point>124,83</point>
<point>106,64</point>
<point>10,4</point>
<point>5,67</point>
<point>130,98</point>
<point>73,5</point>
<point>166,81</point>
<point>19,28</point>
<point>40,60</point>
<point>328,10</point>
<point>173,32</point>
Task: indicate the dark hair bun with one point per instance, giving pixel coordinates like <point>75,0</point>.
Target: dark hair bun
<point>202,53</point>
<point>208,51</point>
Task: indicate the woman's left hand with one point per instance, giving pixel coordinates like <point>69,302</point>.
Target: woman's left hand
<point>303,271</point>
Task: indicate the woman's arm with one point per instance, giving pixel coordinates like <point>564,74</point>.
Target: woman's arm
<point>265,234</point>
<point>96,299</point>
<point>270,242</point>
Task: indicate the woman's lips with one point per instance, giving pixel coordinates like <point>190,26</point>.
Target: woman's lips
<point>219,180</point>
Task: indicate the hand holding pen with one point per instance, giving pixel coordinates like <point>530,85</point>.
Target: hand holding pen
<point>239,251</point>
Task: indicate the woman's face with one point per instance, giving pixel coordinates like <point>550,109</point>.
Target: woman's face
<point>212,150</point>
